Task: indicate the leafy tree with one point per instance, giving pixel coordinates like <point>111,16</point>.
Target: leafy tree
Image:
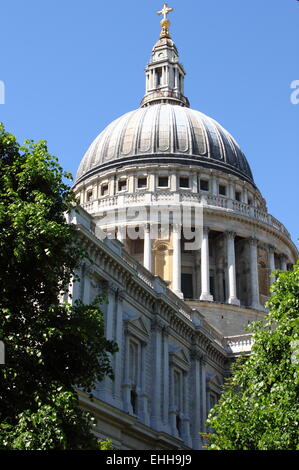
<point>259,409</point>
<point>106,445</point>
<point>51,348</point>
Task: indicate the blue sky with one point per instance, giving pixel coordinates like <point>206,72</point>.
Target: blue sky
<point>71,67</point>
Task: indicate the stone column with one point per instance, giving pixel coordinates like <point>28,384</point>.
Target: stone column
<point>176,81</point>
<point>186,417</point>
<point>118,360</point>
<point>205,267</point>
<point>176,260</point>
<point>214,185</point>
<point>271,262</point>
<point>245,195</point>
<point>231,266</point>
<point>105,387</point>
<point>174,183</point>
<point>196,403</point>
<point>87,280</point>
<point>156,378</point>
<point>166,379</point>
<point>143,398</point>
<point>110,311</point>
<point>152,182</point>
<point>194,183</point>
<point>283,262</point>
<point>231,190</point>
<point>126,385</point>
<point>254,274</point>
<point>172,407</point>
<point>147,253</point>
<point>203,393</point>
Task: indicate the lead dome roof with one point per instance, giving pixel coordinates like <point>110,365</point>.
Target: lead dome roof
<point>165,133</point>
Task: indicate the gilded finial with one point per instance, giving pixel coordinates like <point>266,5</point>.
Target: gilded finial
<point>165,23</point>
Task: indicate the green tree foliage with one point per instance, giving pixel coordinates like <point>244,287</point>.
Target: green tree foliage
<point>51,348</point>
<point>259,409</point>
<point>106,445</point>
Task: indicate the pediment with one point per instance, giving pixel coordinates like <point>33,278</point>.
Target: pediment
<point>179,356</point>
<point>137,326</point>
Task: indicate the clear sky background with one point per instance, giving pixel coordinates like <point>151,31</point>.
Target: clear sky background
<point>70,67</point>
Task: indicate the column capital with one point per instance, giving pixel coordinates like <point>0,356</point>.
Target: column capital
<point>230,235</point>
<point>197,355</point>
<point>111,288</point>
<point>283,257</point>
<point>253,241</point>
<point>157,325</point>
<point>271,248</point>
<point>121,293</point>
<point>89,270</point>
<point>166,330</point>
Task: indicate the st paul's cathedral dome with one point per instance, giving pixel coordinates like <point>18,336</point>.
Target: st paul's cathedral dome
<point>162,133</point>
<point>164,129</point>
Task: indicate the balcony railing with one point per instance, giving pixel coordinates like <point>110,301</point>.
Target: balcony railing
<point>237,345</point>
<point>166,197</point>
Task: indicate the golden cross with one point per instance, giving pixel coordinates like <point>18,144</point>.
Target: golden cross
<point>165,10</point>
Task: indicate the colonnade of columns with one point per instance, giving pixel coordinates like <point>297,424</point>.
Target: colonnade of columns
<point>206,294</point>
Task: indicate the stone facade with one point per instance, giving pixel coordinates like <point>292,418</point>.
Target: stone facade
<point>171,362</point>
<point>178,314</point>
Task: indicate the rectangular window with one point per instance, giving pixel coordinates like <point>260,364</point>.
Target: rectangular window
<point>142,183</point>
<point>177,389</point>
<point>187,285</point>
<point>122,185</point>
<point>222,190</point>
<point>204,185</point>
<point>238,196</point>
<point>89,196</point>
<point>133,363</point>
<point>163,182</point>
<point>104,190</point>
<point>184,182</point>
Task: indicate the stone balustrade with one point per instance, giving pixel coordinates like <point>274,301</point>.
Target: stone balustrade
<point>161,197</point>
<point>237,345</point>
